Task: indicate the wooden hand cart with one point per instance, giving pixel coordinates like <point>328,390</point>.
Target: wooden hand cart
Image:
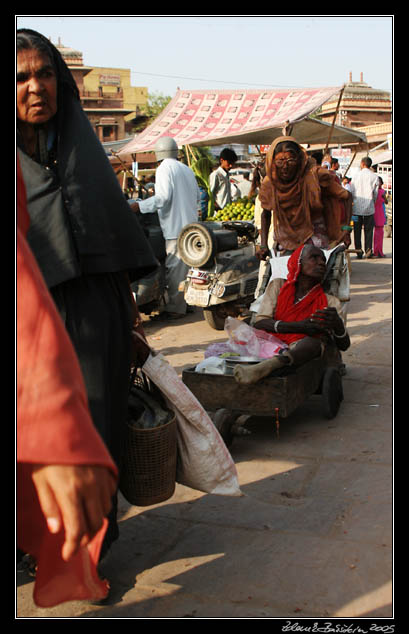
<point>278,395</point>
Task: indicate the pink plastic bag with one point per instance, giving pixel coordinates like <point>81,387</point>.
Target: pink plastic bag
<point>248,341</point>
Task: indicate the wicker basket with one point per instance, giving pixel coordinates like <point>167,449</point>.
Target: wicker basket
<point>148,468</point>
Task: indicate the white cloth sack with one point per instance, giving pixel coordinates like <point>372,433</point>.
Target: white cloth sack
<point>204,462</point>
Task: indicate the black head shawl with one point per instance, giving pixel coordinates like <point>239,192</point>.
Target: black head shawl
<point>80,220</point>
<point>64,76</point>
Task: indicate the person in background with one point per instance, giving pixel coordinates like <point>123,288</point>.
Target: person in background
<point>364,188</point>
<point>177,201</point>
<point>87,242</point>
<point>318,156</point>
<point>220,185</point>
<point>337,205</point>
<point>150,186</point>
<point>326,162</point>
<point>141,182</point>
<point>245,185</point>
<point>379,220</point>
<point>203,203</point>
<point>334,166</point>
<point>202,169</point>
<point>346,182</point>
<point>259,173</point>
<point>234,190</point>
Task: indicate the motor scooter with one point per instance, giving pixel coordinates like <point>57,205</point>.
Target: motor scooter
<point>150,291</point>
<point>223,273</point>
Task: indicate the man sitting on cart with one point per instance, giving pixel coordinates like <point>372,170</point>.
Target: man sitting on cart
<point>300,313</point>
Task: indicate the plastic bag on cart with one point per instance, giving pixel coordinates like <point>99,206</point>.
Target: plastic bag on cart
<point>251,342</point>
<point>204,462</point>
<point>218,349</point>
<point>212,365</point>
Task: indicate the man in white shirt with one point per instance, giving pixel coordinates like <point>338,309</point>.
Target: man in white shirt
<point>245,185</point>
<point>219,180</point>
<point>177,200</point>
<point>364,189</point>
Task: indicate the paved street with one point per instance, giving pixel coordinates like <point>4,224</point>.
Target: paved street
<point>311,536</point>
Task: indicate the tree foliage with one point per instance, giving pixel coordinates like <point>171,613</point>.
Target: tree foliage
<point>156,103</point>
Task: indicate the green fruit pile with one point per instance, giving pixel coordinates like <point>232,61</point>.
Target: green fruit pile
<point>241,209</point>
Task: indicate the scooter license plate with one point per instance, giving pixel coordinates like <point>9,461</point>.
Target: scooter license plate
<point>197,297</point>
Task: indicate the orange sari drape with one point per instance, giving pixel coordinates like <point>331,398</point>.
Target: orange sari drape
<point>54,426</point>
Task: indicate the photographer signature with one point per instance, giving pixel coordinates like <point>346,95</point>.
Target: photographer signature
<point>327,627</point>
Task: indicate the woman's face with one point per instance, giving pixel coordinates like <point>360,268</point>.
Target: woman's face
<point>286,164</point>
<point>313,263</point>
<point>36,87</point>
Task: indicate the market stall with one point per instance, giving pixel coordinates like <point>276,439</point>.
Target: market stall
<point>131,169</point>
<point>215,117</point>
<point>250,117</point>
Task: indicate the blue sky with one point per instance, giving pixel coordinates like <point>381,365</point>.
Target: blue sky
<point>223,52</point>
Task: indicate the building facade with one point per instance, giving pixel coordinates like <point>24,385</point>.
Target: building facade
<point>361,105</point>
<point>107,96</point>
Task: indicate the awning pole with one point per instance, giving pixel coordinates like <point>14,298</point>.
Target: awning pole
<point>352,160</point>
<point>287,129</point>
<point>119,158</point>
<point>190,155</point>
<point>334,119</point>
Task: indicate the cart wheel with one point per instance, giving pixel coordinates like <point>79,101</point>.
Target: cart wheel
<point>332,392</point>
<point>215,316</point>
<point>223,421</point>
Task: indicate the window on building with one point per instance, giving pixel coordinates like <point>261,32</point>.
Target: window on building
<point>108,132</point>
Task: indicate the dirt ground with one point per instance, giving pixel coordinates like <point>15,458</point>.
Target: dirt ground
<point>311,536</point>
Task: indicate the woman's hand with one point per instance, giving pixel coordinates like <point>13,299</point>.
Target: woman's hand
<point>262,252</point>
<point>135,207</point>
<point>76,499</point>
<point>322,322</point>
<point>346,238</point>
<point>140,348</point>
<point>310,327</point>
<point>329,320</point>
